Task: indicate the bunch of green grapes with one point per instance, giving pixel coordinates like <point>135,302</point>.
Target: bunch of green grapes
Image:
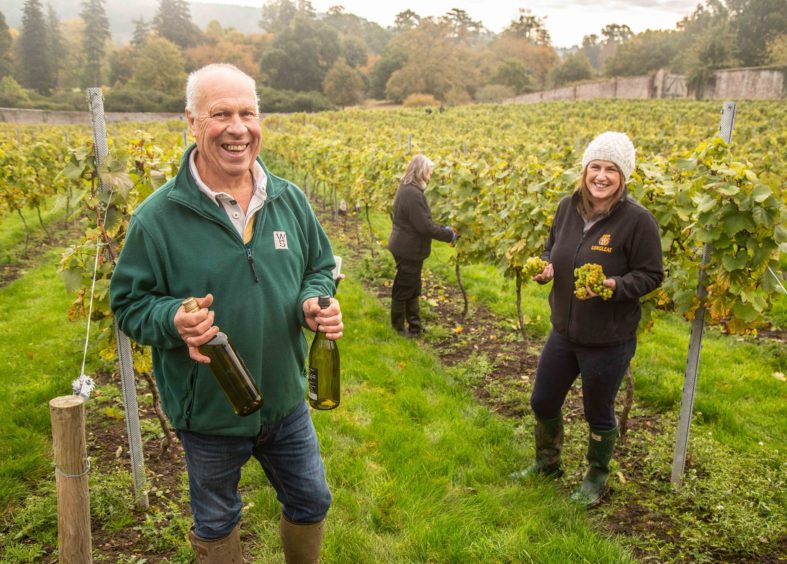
<point>533,266</point>
<point>591,276</point>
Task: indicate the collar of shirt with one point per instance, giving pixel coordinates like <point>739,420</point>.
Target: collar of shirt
<point>258,175</point>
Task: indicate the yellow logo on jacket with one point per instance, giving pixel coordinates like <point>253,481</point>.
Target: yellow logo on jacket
<point>603,244</point>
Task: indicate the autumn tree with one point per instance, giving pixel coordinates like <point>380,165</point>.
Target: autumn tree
<point>343,85</point>
<point>159,66</point>
<point>34,64</point>
<point>227,45</point>
<point>537,59</point>
<point>435,64</point>
<point>6,60</point>
<point>94,40</point>
<point>173,22</point>
<point>300,56</point>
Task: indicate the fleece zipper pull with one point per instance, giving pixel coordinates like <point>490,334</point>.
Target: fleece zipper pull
<point>251,264</point>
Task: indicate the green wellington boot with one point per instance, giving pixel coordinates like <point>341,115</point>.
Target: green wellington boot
<point>549,443</point>
<point>594,486</point>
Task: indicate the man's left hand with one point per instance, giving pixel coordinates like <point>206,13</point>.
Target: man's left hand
<point>328,320</point>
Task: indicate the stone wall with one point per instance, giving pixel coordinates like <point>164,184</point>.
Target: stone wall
<point>14,115</point>
<point>731,84</point>
<point>747,84</point>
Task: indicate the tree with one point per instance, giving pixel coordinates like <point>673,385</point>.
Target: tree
<point>343,85</point>
<point>277,15</point>
<point>350,26</point>
<point>463,28</point>
<point>391,61</point>
<point>354,51</point>
<point>645,52</point>
<point>227,45</point>
<point>575,67</point>
<point>56,41</point>
<point>406,20</point>
<point>435,63</point>
<point>777,51</point>
<point>34,64</point>
<point>515,75</point>
<point>6,61</point>
<point>121,64</point>
<point>537,59</point>
<point>141,31</point>
<point>94,40</point>
<point>592,49</point>
<point>755,23</point>
<point>160,67</point>
<point>529,27</point>
<point>301,55</point>
<point>617,33</point>
<point>173,22</point>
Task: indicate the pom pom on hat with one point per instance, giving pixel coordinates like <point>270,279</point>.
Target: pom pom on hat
<point>611,146</point>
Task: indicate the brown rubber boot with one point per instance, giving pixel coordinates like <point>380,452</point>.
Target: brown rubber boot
<point>301,543</point>
<point>225,550</point>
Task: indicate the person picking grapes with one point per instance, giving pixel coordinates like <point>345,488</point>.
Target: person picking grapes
<point>410,243</point>
<point>603,254</point>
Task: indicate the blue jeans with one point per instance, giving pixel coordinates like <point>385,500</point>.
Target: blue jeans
<point>289,454</point>
<point>601,368</point>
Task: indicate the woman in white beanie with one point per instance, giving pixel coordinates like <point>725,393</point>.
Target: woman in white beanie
<point>592,337</point>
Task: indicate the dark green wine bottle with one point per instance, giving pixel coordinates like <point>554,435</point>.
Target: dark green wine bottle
<point>230,371</point>
<point>323,368</point>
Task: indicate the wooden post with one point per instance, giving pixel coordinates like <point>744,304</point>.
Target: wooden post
<point>71,472</point>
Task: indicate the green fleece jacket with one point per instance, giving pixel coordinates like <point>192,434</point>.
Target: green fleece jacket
<point>181,244</point>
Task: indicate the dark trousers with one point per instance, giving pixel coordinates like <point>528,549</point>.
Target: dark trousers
<point>601,368</point>
<point>407,282</point>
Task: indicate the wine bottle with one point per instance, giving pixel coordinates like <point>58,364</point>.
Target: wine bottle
<point>229,369</point>
<point>323,368</point>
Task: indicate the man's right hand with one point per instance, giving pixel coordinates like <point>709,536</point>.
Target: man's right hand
<point>196,328</point>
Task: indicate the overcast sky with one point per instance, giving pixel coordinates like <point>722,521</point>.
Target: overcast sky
<point>567,21</point>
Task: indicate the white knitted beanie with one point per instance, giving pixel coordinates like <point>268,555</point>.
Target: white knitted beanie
<point>611,146</point>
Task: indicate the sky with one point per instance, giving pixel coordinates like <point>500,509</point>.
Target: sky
<point>567,21</point>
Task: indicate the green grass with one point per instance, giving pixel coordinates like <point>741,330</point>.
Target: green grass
<point>417,467</point>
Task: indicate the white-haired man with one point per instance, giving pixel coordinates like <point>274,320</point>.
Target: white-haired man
<point>247,244</point>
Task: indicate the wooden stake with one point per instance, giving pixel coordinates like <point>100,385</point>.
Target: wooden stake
<point>71,474</point>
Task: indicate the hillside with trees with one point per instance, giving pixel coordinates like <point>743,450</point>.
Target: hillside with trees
<point>309,61</point>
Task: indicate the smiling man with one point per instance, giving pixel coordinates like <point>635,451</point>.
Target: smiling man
<point>248,246</point>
